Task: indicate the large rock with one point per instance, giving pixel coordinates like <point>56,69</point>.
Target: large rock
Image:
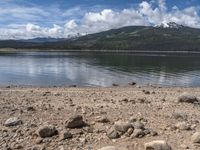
<point>13,122</point>
<point>122,126</point>
<point>196,137</point>
<point>187,98</point>
<point>75,122</point>
<point>157,145</point>
<point>109,148</point>
<point>47,131</point>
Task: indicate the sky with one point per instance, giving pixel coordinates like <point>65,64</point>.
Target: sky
<point>26,19</point>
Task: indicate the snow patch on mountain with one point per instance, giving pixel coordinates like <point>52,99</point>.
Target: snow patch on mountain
<point>171,25</point>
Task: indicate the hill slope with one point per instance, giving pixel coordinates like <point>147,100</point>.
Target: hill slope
<point>171,38</point>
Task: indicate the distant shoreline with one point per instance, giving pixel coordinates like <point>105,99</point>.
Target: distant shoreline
<point>100,51</point>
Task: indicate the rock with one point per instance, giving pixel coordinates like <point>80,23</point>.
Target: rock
<point>109,148</point>
<point>66,135</point>
<point>179,116</point>
<point>153,133</point>
<point>18,147</point>
<point>187,98</point>
<point>146,92</point>
<point>47,131</point>
<point>112,133</point>
<point>114,84</point>
<point>193,126</point>
<point>125,100</point>
<point>30,108</point>
<point>35,148</point>
<point>182,126</point>
<point>147,131</point>
<point>7,148</point>
<point>132,83</point>
<point>77,131</point>
<point>130,131</point>
<point>122,126</point>
<point>137,133</point>
<point>38,141</point>
<point>73,85</point>
<point>132,119</point>
<point>138,125</point>
<point>75,122</point>
<point>196,137</point>
<point>157,145</point>
<point>13,122</point>
<point>89,129</point>
<point>102,119</point>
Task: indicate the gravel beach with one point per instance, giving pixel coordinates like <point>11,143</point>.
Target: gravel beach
<point>115,118</point>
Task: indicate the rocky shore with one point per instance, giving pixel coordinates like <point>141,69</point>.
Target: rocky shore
<point>116,118</point>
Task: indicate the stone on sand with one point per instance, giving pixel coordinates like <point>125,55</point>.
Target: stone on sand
<point>75,122</point>
<point>47,131</point>
<point>122,126</point>
<point>187,98</point>
<point>196,137</point>
<point>157,145</point>
<point>13,122</point>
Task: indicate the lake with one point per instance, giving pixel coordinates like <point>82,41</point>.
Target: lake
<point>98,69</point>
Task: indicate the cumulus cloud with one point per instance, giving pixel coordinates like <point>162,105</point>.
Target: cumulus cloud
<point>34,30</point>
<point>71,24</point>
<point>146,13</point>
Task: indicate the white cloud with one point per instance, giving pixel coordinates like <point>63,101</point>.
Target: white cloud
<point>35,30</point>
<point>145,14</point>
<point>71,24</point>
<point>24,13</point>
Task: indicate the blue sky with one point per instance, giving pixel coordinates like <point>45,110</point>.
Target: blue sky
<point>64,18</point>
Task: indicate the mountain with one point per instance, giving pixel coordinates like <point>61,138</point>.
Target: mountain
<point>44,40</point>
<point>166,37</point>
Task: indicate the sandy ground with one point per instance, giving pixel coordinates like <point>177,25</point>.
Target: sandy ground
<point>156,107</point>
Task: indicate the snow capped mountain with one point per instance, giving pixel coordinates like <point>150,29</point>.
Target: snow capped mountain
<point>171,25</point>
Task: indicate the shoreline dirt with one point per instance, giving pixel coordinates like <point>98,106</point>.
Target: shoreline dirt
<point>156,108</point>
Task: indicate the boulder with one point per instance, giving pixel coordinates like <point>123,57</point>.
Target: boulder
<point>47,131</point>
<point>157,145</point>
<point>75,122</point>
<point>13,122</point>
<point>187,98</point>
<point>196,137</point>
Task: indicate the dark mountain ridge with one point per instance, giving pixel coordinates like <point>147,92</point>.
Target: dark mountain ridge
<point>168,37</point>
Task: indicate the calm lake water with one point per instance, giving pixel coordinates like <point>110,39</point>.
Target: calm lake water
<point>98,69</point>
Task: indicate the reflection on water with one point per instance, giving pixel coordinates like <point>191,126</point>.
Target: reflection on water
<point>59,68</point>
